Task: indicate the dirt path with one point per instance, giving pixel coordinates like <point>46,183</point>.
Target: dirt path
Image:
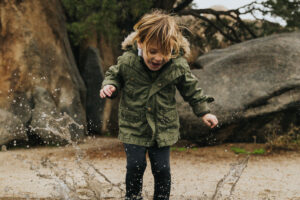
<point>97,170</point>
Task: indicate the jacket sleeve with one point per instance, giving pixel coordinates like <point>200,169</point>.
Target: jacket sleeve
<point>113,77</point>
<point>188,89</point>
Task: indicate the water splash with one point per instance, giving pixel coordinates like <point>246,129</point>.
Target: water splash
<point>52,126</point>
<point>226,185</point>
<point>94,184</point>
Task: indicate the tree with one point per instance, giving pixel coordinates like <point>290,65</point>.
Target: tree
<point>288,10</point>
<point>114,19</point>
<point>110,17</point>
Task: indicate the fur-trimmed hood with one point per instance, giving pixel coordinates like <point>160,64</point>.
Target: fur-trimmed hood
<point>128,43</point>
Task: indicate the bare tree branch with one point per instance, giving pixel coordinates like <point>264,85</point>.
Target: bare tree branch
<point>246,27</point>
<point>196,14</point>
<point>227,22</point>
<point>229,27</point>
<point>182,5</point>
<point>214,12</point>
<point>234,14</point>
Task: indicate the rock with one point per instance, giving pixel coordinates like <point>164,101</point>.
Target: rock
<point>3,148</point>
<point>48,123</point>
<point>92,74</point>
<point>35,52</point>
<point>11,128</point>
<point>256,86</point>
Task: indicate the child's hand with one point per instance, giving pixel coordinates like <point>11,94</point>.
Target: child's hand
<point>107,91</point>
<point>210,120</point>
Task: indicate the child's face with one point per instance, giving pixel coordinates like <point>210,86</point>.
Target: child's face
<point>154,59</point>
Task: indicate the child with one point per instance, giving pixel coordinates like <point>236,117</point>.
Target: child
<point>148,72</point>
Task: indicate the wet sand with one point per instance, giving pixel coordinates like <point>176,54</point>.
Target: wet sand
<point>97,170</point>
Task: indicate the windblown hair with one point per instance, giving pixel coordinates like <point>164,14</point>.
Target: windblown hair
<point>162,29</point>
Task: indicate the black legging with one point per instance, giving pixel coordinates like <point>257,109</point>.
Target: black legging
<point>136,165</point>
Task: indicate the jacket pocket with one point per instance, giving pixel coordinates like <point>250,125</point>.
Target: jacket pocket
<point>130,116</point>
<point>168,116</point>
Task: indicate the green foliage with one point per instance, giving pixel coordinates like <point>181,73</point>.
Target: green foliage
<point>238,150</point>
<point>182,149</point>
<point>288,10</point>
<point>111,18</point>
<point>259,151</point>
<point>134,9</point>
<point>86,16</point>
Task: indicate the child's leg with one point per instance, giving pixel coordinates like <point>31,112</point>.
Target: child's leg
<point>160,165</point>
<point>136,165</point>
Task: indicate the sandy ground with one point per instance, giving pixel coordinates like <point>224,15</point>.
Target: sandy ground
<point>95,169</point>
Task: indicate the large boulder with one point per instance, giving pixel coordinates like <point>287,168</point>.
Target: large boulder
<point>256,86</point>
<point>11,128</point>
<point>35,53</point>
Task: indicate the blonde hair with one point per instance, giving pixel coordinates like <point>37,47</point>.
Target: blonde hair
<point>161,28</point>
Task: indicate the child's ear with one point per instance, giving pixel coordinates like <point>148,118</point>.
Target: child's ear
<point>140,45</point>
<point>140,49</point>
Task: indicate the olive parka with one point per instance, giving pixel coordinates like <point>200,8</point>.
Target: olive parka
<point>147,108</point>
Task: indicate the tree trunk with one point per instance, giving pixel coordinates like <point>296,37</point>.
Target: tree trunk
<point>108,52</point>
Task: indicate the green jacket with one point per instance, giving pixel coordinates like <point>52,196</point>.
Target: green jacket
<point>147,108</point>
